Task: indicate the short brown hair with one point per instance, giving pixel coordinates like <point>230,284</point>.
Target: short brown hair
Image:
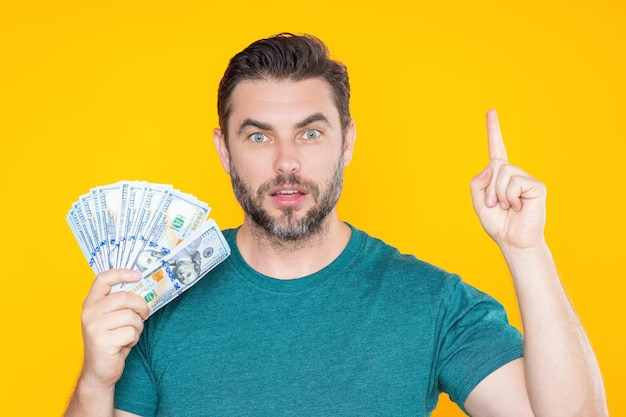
<point>285,57</point>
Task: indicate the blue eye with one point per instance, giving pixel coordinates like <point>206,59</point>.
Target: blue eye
<point>258,137</point>
<point>311,134</point>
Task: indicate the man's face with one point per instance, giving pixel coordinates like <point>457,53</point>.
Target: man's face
<point>148,259</point>
<point>186,272</point>
<point>285,154</point>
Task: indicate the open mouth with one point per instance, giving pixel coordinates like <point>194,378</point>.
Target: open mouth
<point>288,196</point>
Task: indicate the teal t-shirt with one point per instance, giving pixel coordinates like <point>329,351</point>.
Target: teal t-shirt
<point>374,333</point>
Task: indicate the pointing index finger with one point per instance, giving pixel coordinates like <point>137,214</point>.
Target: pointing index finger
<point>497,149</point>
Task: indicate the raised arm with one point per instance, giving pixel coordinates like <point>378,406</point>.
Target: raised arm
<point>111,326</point>
<point>561,374</point>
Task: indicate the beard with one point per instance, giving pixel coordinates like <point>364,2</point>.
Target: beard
<point>287,226</point>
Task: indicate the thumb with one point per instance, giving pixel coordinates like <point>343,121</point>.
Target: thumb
<point>478,187</point>
<point>103,283</point>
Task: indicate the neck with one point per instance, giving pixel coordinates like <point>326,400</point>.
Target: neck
<point>292,259</point>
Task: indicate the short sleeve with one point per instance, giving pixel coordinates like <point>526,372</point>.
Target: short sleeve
<point>136,390</point>
<point>476,339</point>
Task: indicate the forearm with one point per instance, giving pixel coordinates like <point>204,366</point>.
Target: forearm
<point>91,400</point>
<point>563,378</point>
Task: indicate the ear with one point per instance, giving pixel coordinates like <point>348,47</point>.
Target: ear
<point>348,143</point>
<point>222,149</point>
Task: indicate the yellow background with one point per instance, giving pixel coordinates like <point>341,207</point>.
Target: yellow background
<point>95,92</point>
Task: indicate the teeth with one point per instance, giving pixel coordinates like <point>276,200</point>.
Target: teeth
<point>288,192</point>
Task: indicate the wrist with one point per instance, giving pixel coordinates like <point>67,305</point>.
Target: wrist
<point>91,398</point>
<point>535,249</point>
<point>91,388</point>
<point>532,267</point>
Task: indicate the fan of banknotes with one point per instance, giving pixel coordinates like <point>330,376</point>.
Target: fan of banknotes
<point>153,228</point>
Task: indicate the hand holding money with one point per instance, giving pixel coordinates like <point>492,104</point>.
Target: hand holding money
<point>152,228</point>
<point>112,324</point>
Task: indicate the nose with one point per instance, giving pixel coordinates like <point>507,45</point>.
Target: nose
<point>286,159</point>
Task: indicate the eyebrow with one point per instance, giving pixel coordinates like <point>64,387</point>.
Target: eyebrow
<point>248,122</point>
<point>316,117</point>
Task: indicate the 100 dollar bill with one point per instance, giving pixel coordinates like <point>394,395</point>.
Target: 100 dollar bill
<point>173,273</point>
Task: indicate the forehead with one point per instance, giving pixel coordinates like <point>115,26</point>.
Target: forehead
<point>283,101</point>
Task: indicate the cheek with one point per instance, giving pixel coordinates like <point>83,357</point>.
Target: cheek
<point>248,167</point>
<point>251,175</point>
<point>327,163</point>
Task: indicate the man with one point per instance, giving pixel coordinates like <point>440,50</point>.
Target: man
<point>312,316</point>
